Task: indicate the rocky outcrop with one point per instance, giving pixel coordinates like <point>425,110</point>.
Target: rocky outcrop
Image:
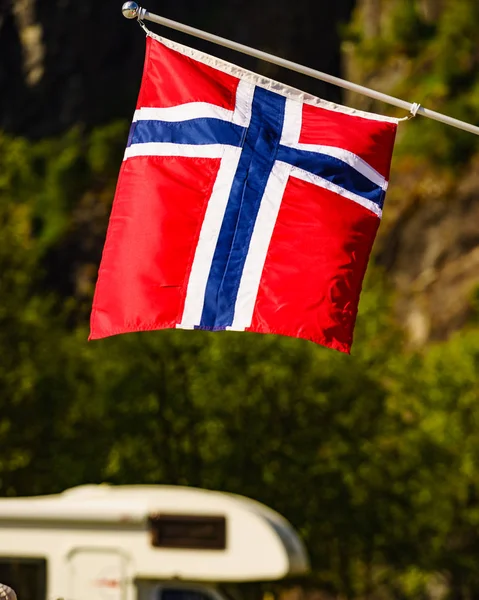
<point>430,246</point>
<point>429,238</point>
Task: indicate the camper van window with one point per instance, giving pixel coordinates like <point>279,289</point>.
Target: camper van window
<point>195,532</point>
<point>183,594</point>
<point>27,576</point>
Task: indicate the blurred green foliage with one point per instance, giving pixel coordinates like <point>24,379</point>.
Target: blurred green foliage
<point>373,457</point>
<point>424,51</point>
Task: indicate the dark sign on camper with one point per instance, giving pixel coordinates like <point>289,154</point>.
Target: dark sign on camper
<point>194,532</point>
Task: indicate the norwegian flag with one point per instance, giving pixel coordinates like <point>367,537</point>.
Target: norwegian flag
<point>242,204</point>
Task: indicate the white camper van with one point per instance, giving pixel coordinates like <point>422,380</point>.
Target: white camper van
<point>142,543</point>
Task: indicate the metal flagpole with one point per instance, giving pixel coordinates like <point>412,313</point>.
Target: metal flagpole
<point>131,10</point>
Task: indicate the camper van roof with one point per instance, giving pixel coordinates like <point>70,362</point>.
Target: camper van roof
<point>136,504</point>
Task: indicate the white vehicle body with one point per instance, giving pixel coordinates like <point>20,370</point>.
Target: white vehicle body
<point>142,543</point>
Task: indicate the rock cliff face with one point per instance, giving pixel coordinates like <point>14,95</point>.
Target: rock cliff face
<point>431,249</point>
<point>429,239</point>
<point>76,61</point>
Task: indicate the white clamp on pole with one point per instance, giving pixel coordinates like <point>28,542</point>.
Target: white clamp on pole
<point>412,113</point>
<point>131,10</point>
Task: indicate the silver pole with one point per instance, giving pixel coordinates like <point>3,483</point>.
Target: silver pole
<point>131,10</point>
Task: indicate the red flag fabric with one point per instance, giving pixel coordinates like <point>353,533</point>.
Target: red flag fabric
<point>242,204</point>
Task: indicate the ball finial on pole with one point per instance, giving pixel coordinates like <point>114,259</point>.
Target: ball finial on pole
<point>130,10</point>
